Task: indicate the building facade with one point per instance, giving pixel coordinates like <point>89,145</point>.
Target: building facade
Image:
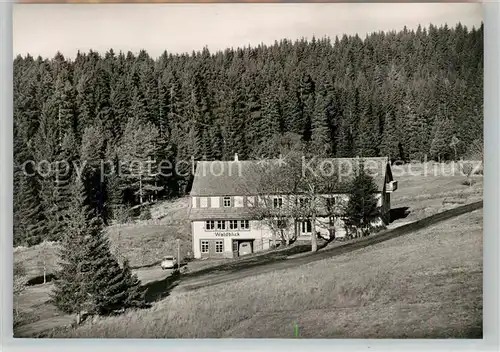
<point>225,209</point>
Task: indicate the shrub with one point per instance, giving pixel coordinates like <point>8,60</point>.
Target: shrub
<point>145,214</point>
<point>121,214</point>
<point>468,182</point>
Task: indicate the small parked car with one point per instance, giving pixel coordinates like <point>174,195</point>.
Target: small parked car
<point>168,262</point>
<point>245,248</point>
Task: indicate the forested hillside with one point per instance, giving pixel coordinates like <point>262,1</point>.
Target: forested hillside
<point>401,94</point>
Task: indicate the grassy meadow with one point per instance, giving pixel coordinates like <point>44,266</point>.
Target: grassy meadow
<point>426,284</point>
<point>143,243</point>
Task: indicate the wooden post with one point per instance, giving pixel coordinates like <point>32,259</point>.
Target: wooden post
<point>178,254</point>
<point>140,188</point>
<point>314,243</point>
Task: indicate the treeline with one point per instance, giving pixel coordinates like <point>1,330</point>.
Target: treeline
<point>403,94</point>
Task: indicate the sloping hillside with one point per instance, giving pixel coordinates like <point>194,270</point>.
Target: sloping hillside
<point>143,243</point>
<point>425,284</point>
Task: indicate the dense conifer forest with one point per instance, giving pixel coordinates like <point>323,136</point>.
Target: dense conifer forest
<point>406,94</point>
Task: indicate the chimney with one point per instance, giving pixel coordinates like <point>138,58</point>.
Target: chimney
<point>235,156</point>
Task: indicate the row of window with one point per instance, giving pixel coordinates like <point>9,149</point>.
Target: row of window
<point>227,225</point>
<point>278,201</point>
<point>304,226</point>
<point>245,224</point>
<point>219,246</point>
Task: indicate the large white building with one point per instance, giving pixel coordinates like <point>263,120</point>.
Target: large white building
<point>223,205</point>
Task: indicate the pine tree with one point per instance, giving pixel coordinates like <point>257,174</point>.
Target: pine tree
<point>58,206</point>
<point>29,225</point>
<point>440,144</point>
<point>345,140</point>
<point>90,278</point>
<point>66,114</point>
<point>320,136</point>
<point>138,150</point>
<point>368,136</point>
<point>135,292</point>
<point>307,97</point>
<point>390,141</point>
<point>92,150</point>
<point>294,111</point>
<point>200,103</point>
<point>71,292</point>
<point>59,183</point>
<point>270,120</point>
<point>361,209</point>
<point>414,130</point>
<point>119,104</point>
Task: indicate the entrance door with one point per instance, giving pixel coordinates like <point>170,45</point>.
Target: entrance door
<point>235,247</point>
<point>305,227</point>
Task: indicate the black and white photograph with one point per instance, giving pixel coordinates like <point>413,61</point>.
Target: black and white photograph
<point>293,171</point>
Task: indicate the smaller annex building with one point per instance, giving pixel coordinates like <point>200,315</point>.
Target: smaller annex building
<point>224,194</point>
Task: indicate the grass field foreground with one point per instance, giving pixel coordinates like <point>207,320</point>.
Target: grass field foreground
<point>426,284</point>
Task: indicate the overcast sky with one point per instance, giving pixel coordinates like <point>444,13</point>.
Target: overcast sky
<point>46,29</point>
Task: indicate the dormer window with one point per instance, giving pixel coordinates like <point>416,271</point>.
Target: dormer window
<point>227,201</point>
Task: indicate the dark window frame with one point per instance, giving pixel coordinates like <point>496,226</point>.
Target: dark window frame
<point>209,225</point>
<point>202,242</point>
<point>219,243</point>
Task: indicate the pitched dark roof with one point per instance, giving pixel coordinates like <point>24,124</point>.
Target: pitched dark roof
<point>226,178</point>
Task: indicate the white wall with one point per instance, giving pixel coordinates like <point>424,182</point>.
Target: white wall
<point>251,201</point>
<point>257,231</point>
<point>238,201</point>
<point>214,202</point>
<point>203,202</point>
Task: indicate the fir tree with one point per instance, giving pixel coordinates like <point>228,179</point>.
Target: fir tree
<point>59,198</point>
<point>92,150</point>
<point>368,137</point>
<point>361,209</point>
<point>135,292</point>
<point>390,141</point>
<point>414,130</point>
<point>138,151</point>
<point>200,103</point>
<point>270,120</point>
<point>440,144</point>
<point>320,138</point>
<point>345,140</point>
<point>29,220</point>
<point>72,292</point>
<point>91,279</point>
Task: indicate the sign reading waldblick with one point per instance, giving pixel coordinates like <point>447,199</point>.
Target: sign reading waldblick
<point>226,234</point>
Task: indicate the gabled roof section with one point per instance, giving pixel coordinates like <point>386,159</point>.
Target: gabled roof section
<point>229,178</point>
